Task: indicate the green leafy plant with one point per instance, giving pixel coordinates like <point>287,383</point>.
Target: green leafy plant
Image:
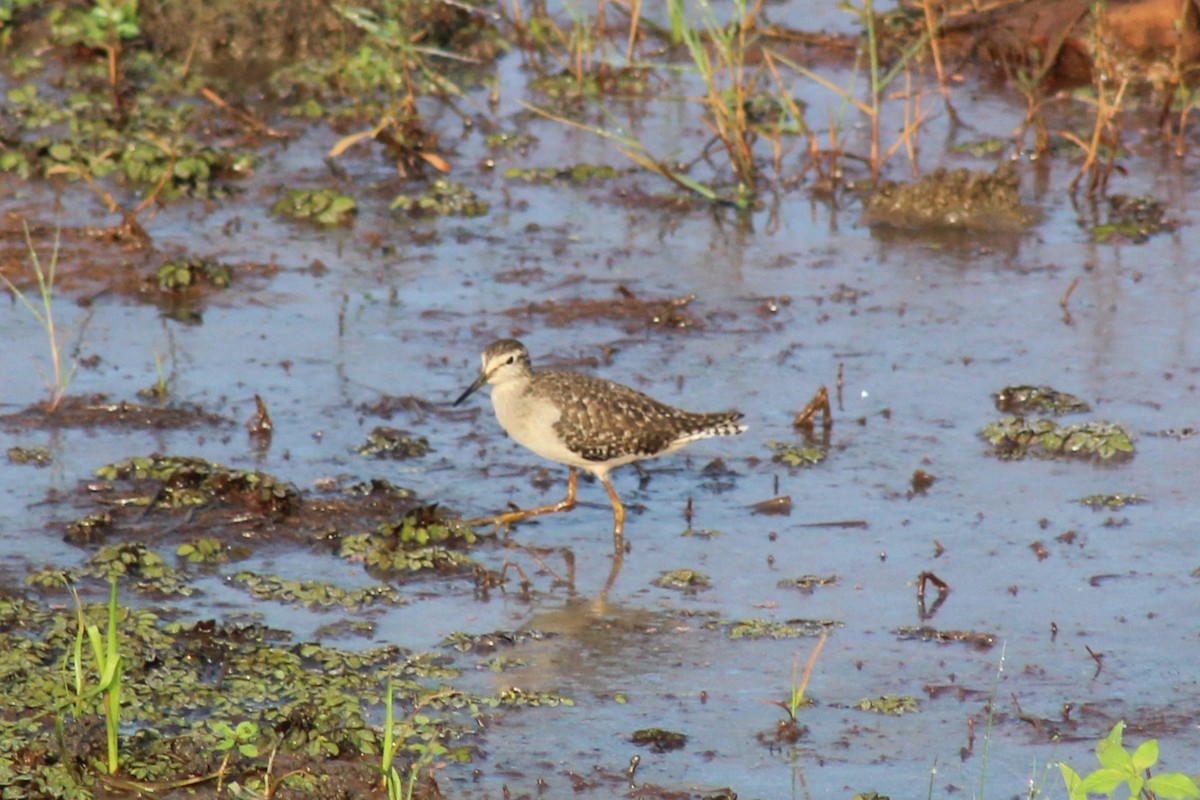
<point>109,667</point>
<point>103,26</point>
<point>402,69</point>
<point>158,391</point>
<point>243,738</point>
<point>796,699</point>
<point>204,550</point>
<point>425,750</point>
<point>44,314</point>
<point>1119,766</point>
<point>324,206</point>
<point>1015,438</point>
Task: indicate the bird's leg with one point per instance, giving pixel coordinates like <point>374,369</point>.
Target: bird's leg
<point>509,517</point>
<point>618,515</point>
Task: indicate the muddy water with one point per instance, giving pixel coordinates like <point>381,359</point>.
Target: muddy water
<point>925,327</point>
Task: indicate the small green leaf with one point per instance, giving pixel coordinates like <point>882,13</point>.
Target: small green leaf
<point>1146,756</point>
<point>1112,755</point>
<point>1173,786</point>
<point>1072,782</point>
<point>1102,781</point>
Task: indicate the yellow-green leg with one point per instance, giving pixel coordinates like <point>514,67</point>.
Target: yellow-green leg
<point>618,514</point>
<point>509,517</point>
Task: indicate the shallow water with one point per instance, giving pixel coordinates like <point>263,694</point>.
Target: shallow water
<point>926,328</point>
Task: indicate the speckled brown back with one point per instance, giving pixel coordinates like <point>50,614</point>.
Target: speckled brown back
<point>603,421</point>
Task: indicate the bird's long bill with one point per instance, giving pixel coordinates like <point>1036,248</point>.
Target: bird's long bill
<point>480,381</point>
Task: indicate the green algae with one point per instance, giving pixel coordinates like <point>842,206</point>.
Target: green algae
<point>755,628</point>
<point>386,442</point>
<point>35,456</point>
<point>660,740</point>
<point>485,643</point>
<point>950,199</point>
<point>315,594</point>
<point>684,580</point>
<point>1024,399</point>
<point>444,199</point>
<point>1131,218</point>
<point>89,529</point>
<point>1113,502</point>
<point>1015,438</point>
<point>517,697</point>
<point>796,456</point>
<point>807,583</point>
<point>193,482</point>
<point>205,550</point>
<point>926,633</point>
<point>422,540</point>
<point>895,705</point>
<point>149,572</point>
<point>503,664</point>
<point>196,690</point>
<point>322,206</point>
<point>184,273</point>
<point>146,143</point>
<point>576,174</point>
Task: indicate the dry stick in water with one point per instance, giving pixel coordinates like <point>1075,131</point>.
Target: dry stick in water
<point>1066,298</point>
<point>1106,112</point>
<point>931,28</point>
<point>1177,81</point>
<point>635,17</point>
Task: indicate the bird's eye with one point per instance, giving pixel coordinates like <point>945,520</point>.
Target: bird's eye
<point>511,359</point>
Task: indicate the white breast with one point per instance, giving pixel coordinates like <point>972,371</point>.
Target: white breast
<point>530,421</point>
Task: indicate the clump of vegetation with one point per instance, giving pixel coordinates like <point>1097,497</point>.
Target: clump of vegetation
<point>660,740</point>
<point>315,594</point>
<point>422,540</point>
<point>193,482</point>
<point>184,273</point>
<point>889,704</point>
<point>37,456</point>
<point>518,698</point>
<point>114,114</point>
<point>444,199</point>
<point>796,456</point>
<point>772,629</point>
<point>322,206</point>
<point>89,529</point>
<point>1015,438</point>
<point>1113,502</point>
<point>149,572</point>
<point>807,583</point>
<point>484,643</point>
<point>577,174</point>
<point>205,550</point>
<point>269,709</point>
<point>1134,219</point>
<point>980,639</point>
<point>1022,400</point>
<point>955,198</point>
<point>684,580</point>
<point>385,442</point>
